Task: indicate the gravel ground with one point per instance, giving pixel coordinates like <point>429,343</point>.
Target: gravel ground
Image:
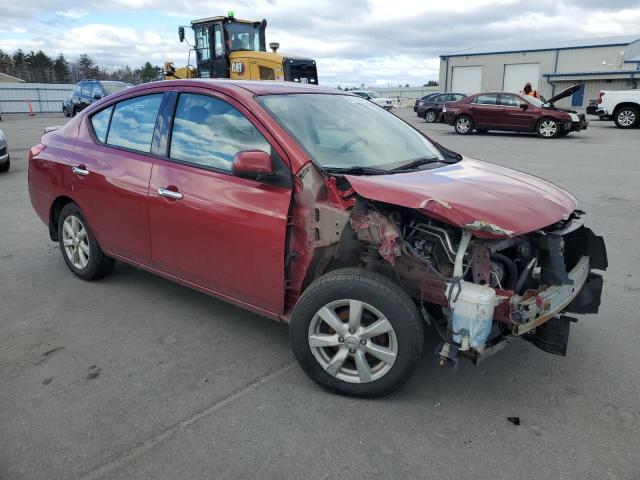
<point>135,377</point>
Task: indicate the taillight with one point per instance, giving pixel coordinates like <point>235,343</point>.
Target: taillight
<point>35,151</point>
<point>600,95</point>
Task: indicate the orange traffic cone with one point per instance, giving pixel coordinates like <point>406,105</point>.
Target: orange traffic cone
<point>31,114</point>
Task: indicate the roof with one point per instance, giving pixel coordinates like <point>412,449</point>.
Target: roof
<point>558,45</point>
<point>257,87</point>
<point>9,78</point>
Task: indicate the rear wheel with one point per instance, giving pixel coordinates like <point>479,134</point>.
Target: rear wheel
<point>627,117</point>
<point>464,125</point>
<point>548,128</point>
<point>66,112</point>
<point>80,250</point>
<point>430,116</point>
<point>357,333</point>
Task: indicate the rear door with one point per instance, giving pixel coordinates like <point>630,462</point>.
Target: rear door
<point>110,174</point>
<point>485,111</point>
<point>213,229</point>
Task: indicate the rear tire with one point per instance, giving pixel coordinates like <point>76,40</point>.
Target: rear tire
<point>65,110</point>
<point>79,247</point>
<point>357,333</point>
<point>464,125</point>
<point>627,117</point>
<point>548,128</point>
<point>430,116</point>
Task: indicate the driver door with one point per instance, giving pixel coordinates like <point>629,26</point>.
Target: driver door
<point>210,228</point>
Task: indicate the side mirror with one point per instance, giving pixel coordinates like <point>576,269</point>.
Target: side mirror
<point>252,163</point>
<point>181,34</point>
<point>524,105</point>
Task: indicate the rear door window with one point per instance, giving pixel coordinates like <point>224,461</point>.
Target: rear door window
<point>133,123</point>
<point>489,99</point>
<point>208,131</point>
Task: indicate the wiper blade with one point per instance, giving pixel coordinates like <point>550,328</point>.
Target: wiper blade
<point>418,162</point>
<point>357,170</point>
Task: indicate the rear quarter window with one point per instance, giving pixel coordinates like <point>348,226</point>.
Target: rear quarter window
<point>100,123</point>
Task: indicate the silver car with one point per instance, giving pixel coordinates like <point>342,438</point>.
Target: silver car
<point>4,153</point>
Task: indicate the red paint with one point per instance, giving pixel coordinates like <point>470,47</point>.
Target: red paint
<point>252,162</point>
<point>472,190</point>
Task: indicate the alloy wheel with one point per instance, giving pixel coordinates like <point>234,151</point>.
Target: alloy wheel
<point>626,118</point>
<point>548,128</point>
<point>463,125</point>
<point>431,117</point>
<point>353,341</point>
<point>75,241</point>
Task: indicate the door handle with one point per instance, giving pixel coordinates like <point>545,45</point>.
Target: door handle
<point>81,170</point>
<point>173,195</point>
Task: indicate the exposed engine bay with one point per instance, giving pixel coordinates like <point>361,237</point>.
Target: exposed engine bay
<point>478,286</point>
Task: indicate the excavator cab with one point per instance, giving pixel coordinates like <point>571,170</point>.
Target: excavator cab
<point>217,37</point>
<point>226,47</point>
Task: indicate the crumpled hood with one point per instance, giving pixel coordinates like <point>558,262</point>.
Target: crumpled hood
<point>489,199</point>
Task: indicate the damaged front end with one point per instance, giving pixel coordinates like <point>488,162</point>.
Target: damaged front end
<point>477,284</point>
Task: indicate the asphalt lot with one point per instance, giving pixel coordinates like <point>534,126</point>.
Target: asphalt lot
<point>134,377</point>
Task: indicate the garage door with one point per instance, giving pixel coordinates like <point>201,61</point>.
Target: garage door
<point>466,80</point>
<point>516,75</point>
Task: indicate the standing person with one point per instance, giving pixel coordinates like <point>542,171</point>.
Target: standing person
<point>528,90</point>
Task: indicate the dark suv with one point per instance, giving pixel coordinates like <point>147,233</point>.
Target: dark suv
<point>88,91</point>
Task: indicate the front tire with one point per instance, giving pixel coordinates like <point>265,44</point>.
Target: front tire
<point>357,333</point>
<point>5,166</point>
<point>548,128</point>
<point>79,247</point>
<point>627,117</point>
<point>464,125</point>
<point>430,116</point>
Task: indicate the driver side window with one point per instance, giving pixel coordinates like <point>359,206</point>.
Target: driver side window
<point>209,132</point>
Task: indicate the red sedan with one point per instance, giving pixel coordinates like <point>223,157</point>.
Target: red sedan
<point>513,112</point>
<point>315,207</point>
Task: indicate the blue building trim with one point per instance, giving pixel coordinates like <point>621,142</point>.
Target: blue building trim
<point>575,74</point>
<point>538,50</point>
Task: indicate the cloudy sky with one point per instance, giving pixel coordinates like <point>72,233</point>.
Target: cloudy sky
<point>376,42</point>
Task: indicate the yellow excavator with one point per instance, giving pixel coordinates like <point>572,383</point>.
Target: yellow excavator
<point>226,47</point>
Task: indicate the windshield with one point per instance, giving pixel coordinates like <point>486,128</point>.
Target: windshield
<point>243,36</point>
<point>344,131</point>
<point>374,94</point>
<point>113,87</point>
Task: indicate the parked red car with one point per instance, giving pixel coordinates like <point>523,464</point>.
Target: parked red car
<point>315,207</point>
<point>514,112</point>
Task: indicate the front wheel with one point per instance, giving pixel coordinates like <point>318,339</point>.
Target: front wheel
<point>5,166</point>
<point>430,116</point>
<point>357,333</point>
<point>627,117</point>
<point>548,128</point>
<point>464,125</point>
<point>80,250</point>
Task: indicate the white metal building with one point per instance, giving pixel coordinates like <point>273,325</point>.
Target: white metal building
<point>611,63</point>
